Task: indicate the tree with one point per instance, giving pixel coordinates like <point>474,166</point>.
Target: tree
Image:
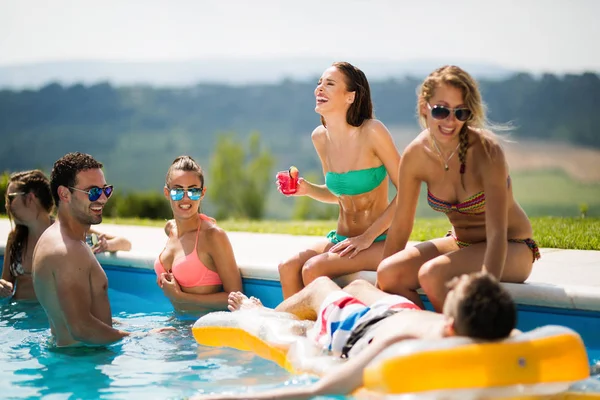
<point>4,178</point>
<point>257,178</point>
<point>239,178</point>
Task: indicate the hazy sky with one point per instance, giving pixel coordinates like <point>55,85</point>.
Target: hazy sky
<point>534,35</point>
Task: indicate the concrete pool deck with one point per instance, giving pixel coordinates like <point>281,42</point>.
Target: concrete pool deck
<point>568,279</point>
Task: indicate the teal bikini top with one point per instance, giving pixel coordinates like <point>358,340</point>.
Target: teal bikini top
<point>355,182</point>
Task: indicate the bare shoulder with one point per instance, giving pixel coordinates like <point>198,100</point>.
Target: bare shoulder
<point>50,245</point>
<point>319,134</point>
<point>376,132</point>
<point>416,323</point>
<point>487,148</point>
<point>414,150</point>
<point>215,234</point>
<point>375,126</point>
<point>319,139</point>
<point>47,258</point>
<point>55,250</point>
<point>218,245</point>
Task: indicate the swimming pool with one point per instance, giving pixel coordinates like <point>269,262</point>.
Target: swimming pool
<point>158,366</point>
<point>168,365</point>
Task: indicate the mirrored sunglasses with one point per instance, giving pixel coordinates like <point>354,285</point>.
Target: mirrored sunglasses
<point>193,194</point>
<point>95,192</point>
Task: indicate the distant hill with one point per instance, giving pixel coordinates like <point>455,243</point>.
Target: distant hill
<point>227,71</point>
<point>138,130</point>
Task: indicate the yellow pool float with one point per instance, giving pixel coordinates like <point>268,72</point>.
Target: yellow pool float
<point>542,362</point>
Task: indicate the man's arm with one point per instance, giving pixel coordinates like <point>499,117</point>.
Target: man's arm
<point>342,380</point>
<point>72,282</point>
<point>349,376</point>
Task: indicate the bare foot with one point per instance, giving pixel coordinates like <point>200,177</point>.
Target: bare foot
<point>163,329</point>
<point>239,301</point>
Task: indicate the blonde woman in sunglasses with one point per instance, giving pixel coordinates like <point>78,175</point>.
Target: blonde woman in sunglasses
<point>197,268</point>
<point>29,205</point>
<point>464,167</point>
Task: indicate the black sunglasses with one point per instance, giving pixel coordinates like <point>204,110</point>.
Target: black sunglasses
<point>12,196</point>
<point>95,192</point>
<point>443,112</point>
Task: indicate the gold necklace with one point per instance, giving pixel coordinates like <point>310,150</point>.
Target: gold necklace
<point>446,161</point>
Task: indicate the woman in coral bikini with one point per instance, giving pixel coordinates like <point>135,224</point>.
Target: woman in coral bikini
<point>467,179</point>
<point>358,155</point>
<point>197,269</point>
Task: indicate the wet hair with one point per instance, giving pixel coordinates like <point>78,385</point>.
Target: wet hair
<point>356,81</point>
<point>185,163</point>
<point>458,78</point>
<point>485,309</point>
<point>35,182</point>
<point>66,168</point>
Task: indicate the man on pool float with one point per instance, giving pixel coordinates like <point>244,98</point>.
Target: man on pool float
<point>360,321</point>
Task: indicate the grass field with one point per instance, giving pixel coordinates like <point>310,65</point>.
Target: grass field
<point>563,233</point>
<point>546,192</point>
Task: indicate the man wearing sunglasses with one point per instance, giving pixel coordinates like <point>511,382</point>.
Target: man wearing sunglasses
<point>68,280</point>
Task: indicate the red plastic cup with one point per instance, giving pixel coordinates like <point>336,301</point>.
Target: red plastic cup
<point>287,184</point>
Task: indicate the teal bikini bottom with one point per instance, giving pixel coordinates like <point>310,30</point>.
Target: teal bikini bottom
<point>335,238</point>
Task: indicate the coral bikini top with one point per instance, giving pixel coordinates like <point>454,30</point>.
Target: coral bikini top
<point>189,270</point>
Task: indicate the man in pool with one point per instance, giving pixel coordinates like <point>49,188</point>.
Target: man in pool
<point>360,321</point>
<point>68,280</point>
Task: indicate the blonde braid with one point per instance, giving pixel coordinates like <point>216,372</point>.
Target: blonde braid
<point>462,149</point>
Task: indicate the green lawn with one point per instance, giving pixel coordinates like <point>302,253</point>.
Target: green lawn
<point>564,233</point>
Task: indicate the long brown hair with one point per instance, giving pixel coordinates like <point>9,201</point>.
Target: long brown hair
<point>35,182</point>
<point>356,81</point>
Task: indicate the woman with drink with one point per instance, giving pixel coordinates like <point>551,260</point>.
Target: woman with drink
<point>357,154</point>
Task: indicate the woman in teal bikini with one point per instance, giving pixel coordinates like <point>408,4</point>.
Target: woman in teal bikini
<point>467,179</point>
<point>357,154</point>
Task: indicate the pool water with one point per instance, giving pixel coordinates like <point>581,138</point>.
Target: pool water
<point>168,365</point>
